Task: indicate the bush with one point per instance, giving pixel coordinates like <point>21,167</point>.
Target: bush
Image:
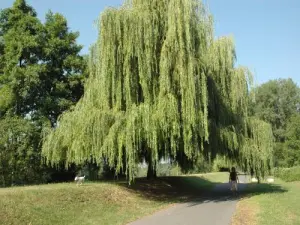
<point>288,174</point>
<point>221,164</point>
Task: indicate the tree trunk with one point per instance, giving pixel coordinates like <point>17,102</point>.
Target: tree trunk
<point>151,173</point>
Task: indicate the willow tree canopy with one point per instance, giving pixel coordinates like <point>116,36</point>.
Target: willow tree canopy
<point>159,86</point>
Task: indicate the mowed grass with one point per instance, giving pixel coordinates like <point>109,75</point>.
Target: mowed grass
<point>218,177</point>
<point>207,180</point>
<point>97,203</point>
<point>276,204</point>
<point>92,203</point>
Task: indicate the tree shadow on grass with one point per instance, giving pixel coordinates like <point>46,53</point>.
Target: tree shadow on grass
<point>195,190</point>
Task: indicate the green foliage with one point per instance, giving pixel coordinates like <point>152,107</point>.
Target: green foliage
<point>20,159</point>
<point>21,38</point>
<point>132,100</point>
<point>41,75</point>
<point>160,87</point>
<point>288,174</point>
<point>61,85</point>
<point>257,151</point>
<point>201,165</point>
<point>221,162</point>
<point>292,143</point>
<point>277,102</point>
<point>42,70</point>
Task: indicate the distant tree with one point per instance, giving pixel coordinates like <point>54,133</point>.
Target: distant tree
<point>22,37</point>
<point>276,102</point>
<point>41,72</point>
<point>2,17</point>
<point>292,144</point>
<point>19,152</point>
<point>62,81</point>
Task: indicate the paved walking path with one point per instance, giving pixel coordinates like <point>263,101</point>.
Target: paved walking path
<point>215,209</point>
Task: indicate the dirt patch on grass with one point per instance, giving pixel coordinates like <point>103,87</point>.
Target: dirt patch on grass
<point>246,213</point>
<point>291,217</point>
<point>297,183</point>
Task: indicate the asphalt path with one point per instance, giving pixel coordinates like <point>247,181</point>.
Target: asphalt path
<point>215,208</point>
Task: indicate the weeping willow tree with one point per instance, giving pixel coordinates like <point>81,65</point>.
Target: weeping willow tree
<point>159,87</point>
<point>244,141</point>
<point>257,149</point>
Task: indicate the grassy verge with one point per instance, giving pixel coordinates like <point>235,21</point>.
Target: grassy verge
<point>268,206</point>
<point>288,174</point>
<point>97,203</point>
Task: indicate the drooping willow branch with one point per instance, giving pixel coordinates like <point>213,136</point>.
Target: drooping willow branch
<point>159,86</point>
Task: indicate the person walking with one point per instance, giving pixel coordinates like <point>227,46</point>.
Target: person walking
<point>233,180</point>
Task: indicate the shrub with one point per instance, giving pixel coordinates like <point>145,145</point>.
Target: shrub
<point>288,174</point>
<point>221,164</point>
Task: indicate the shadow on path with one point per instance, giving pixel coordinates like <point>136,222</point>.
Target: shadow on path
<point>196,189</point>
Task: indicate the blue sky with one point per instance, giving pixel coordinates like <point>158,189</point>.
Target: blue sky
<point>266,32</point>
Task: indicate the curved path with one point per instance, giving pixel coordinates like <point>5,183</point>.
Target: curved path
<point>217,208</point>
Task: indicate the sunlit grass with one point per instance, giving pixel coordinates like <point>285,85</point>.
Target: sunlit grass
<point>92,203</point>
<point>269,207</point>
<point>96,203</point>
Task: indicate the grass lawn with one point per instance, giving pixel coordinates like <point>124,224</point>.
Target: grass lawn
<point>277,204</point>
<point>207,180</point>
<point>97,203</point>
<point>216,177</point>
